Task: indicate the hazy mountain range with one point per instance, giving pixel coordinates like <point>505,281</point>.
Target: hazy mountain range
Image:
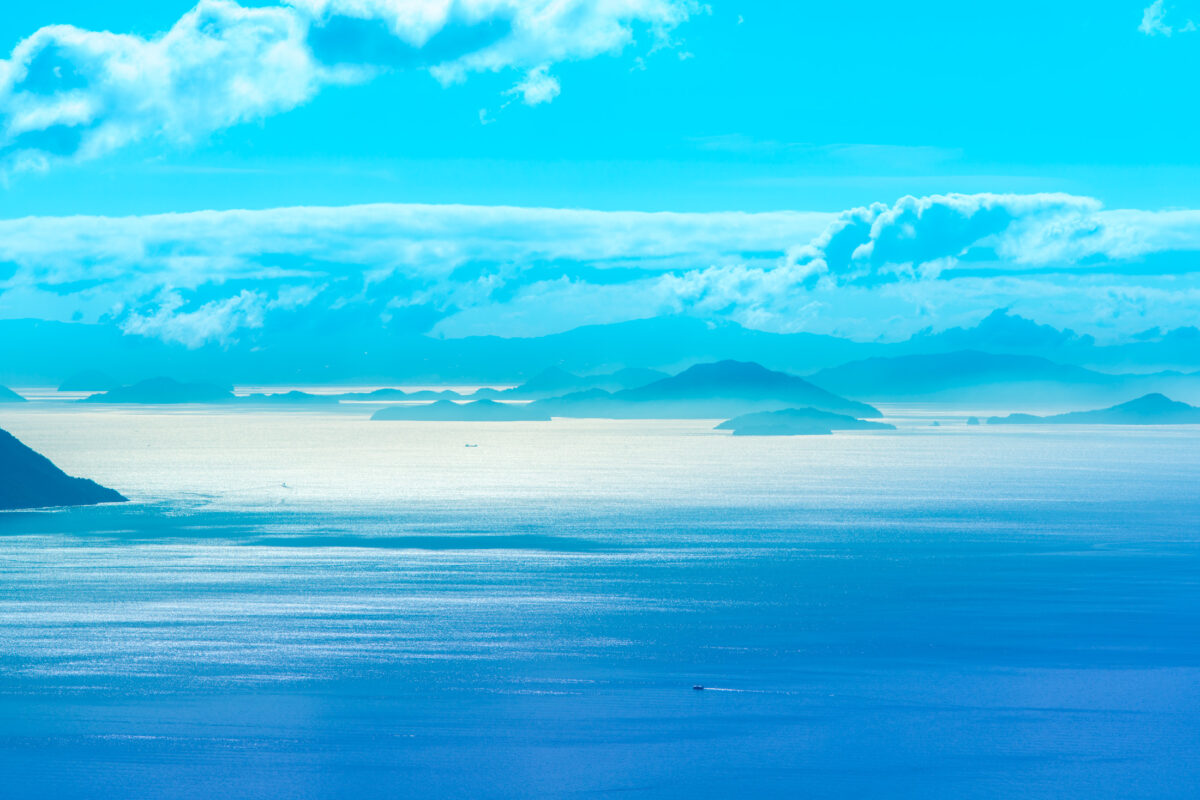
<point>977,376</point>
<point>51,352</point>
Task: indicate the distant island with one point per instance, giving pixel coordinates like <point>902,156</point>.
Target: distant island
<point>292,398</point>
<point>555,381</point>
<point>714,390</point>
<point>391,395</point>
<point>706,391</point>
<point>92,380</point>
<point>449,411</point>
<point>9,396</point>
<point>797,422</point>
<point>32,481</point>
<point>1151,409</point>
<point>703,391</point>
<point>164,391</point>
<point>548,383</point>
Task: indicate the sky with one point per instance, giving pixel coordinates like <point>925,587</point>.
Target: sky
<point>195,172</point>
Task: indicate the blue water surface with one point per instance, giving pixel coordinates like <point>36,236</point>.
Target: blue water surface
<point>922,614</point>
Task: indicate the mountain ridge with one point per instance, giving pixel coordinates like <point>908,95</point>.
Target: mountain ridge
<point>711,390</point>
<point>1150,409</point>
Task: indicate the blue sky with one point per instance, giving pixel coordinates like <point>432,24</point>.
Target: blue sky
<point>802,105</point>
<point>667,105</point>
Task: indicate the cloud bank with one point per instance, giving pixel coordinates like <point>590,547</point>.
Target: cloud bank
<point>73,94</point>
<point>208,276</point>
<point>877,271</point>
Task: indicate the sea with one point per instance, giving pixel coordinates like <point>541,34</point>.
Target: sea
<point>308,604</point>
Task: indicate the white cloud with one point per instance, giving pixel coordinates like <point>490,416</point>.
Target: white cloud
<point>69,93</point>
<point>216,321</point>
<point>177,275</point>
<point>81,94</point>
<point>530,32</point>
<point>883,269</point>
<point>1153,20</point>
<point>926,234</point>
<point>538,87</point>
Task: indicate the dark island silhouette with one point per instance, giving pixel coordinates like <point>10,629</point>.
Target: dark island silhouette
<point>164,391</point>
<point>9,396</point>
<point>797,422</point>
<point>449,411</point>
<point>32,481</point>
<point>706,391</point>
<point>92,380</point>
<point>1151,409</point>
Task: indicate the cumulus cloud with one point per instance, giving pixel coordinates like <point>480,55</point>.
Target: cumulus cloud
<point>69,93</point>
<point>920,251</point>
<point>880,242</point>
<point>220,277</point>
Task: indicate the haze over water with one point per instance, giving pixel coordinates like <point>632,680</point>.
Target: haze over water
<point>306,604</point>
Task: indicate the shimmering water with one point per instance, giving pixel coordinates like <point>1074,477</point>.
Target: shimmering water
<point>313,605</point>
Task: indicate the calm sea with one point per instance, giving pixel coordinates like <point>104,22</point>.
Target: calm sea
<point>309,605</point>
